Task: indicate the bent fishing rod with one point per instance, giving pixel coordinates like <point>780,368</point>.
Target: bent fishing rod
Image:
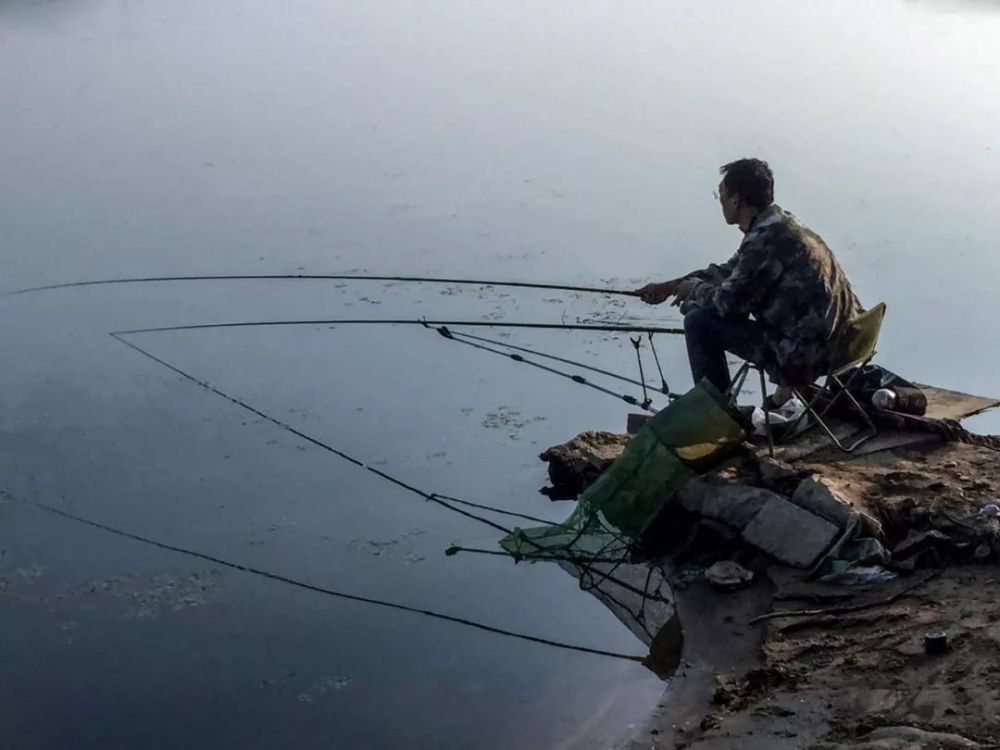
<point>324,277</point>
<point>600,327</point>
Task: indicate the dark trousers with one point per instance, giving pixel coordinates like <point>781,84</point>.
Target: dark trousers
<point>709,336</point>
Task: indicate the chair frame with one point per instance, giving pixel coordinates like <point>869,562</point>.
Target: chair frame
<point>833,378</point>
<point>736,385</point>
<point>826,390</point>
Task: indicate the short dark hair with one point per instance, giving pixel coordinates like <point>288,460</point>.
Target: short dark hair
<point>751,179</point>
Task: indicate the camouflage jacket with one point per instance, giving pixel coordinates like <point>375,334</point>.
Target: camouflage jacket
<point>785,276</point>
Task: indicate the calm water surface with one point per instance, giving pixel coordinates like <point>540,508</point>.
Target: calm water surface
<point>542,141</point>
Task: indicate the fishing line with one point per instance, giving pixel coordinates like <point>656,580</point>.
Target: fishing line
<point>609,575</point>
<point>331,592</point>
<point>616,564</point>
<point>578,561</point>
<point>535,352</point>
<point>412,322</point>
<point>582,563</point>
<point>324,277</point>
<point>446,333</point>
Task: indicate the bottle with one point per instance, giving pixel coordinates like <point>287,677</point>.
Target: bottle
<point>884,398</point>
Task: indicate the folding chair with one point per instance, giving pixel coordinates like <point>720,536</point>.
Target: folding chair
<point>853,349</point>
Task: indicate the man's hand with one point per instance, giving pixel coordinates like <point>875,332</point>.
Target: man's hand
<point>682,290</point>
<point>679,289</point>
<point>654,294</point>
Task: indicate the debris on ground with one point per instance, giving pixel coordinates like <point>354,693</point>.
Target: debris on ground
<point>905,508</point>
<point>727,575</point>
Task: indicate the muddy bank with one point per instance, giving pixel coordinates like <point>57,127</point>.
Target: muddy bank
<point>846,666</point>
<point>722,642</point>
<point>855,678</point>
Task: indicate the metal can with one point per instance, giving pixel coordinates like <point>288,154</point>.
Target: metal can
<point>902,399</point>
<point>910,400</point>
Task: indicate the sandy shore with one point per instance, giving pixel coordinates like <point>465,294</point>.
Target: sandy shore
<point>857,680</point>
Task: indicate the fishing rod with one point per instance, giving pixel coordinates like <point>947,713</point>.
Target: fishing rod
<point>553,357</point>
<point>454,549</point>
<point>610,327</point>
<point>442,500</point>
<point>243,568</point>
<point>325,277</point>
<point>632,400</point>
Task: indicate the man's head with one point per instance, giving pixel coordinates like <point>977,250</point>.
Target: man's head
<point>746,189</point>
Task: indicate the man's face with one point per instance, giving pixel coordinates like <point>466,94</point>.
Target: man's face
<point>730,204</point>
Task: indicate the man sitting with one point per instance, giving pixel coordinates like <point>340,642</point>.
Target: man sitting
<point>778,302</point>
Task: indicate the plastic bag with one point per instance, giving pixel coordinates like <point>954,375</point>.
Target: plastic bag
<point>788,412</point>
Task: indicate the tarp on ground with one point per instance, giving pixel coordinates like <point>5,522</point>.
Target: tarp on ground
<point>690,436</point>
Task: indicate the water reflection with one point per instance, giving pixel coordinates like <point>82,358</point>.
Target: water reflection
<point>641,598</point>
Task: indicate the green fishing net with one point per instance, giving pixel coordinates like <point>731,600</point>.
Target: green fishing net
<point>690,436</point>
